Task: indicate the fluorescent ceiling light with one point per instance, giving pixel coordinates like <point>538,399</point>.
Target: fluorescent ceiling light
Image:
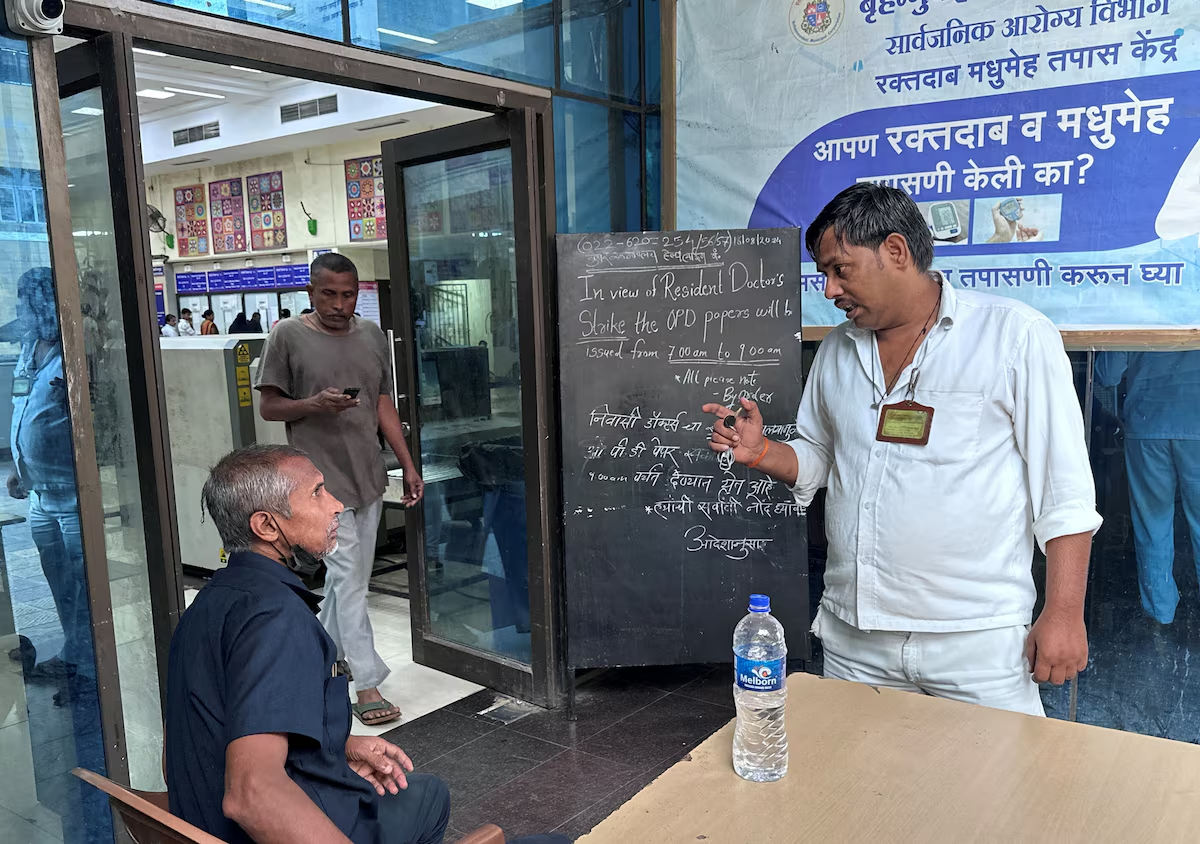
<point>88,111</point>
<point>143,51</point>
<point>396,34</point>
<point>494,4</point>
<point>271,5</point>
<point>154,94</point>
<point>190,93</point>
<point>244,69</point>
<point>395,122</point>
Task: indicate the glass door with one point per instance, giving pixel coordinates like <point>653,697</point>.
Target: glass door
<point>98,112</point>
<point>466,260</point>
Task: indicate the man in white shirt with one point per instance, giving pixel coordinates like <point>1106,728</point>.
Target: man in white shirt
<point>169,328</point>
<point>184,326</point>
<point>946,427</point>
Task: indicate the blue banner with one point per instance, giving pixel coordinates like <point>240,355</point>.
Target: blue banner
<point>1054,150</point>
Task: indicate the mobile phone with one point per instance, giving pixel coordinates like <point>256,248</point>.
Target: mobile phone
<point>1010,210</point>
<point>352,392</point>
<point>945,223</point>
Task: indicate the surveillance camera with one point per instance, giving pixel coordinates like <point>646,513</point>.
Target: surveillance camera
<point>34,17</point>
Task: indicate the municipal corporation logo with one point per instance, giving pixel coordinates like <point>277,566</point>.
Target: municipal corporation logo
<point>814,22</point>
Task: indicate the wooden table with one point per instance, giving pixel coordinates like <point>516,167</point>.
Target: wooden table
<point>877,765</point>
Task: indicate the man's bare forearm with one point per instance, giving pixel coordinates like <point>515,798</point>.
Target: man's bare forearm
<point>279,812</point>
<point>1066,573</point>
<point>276,407</point>
<point>779,462</point>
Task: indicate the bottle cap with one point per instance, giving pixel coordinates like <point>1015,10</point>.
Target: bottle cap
<point>760,603</point>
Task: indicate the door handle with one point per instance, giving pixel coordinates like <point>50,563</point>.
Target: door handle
<point>391,337</point>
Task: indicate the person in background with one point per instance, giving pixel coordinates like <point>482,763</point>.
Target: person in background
<point>209,326</point>
<point>284,314</point>
<point>328,376</point>
<point>184,327</point>
<point>168,328</point>
<point>44,472</point>
<point>945,425</point>
<point>256,326</point>
<point>1161,420</point>
<point>43,454</point>
<point>240,324</point>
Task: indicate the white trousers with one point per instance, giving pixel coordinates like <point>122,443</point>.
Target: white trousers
<point>987,667</point>
<point>347,579</point>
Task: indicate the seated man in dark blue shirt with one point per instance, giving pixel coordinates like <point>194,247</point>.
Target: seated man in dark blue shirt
<point>258,744</point>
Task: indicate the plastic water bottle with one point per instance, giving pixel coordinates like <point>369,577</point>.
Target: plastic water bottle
<point>760,748</point>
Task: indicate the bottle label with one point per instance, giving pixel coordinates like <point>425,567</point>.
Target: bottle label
<point>759,675</point>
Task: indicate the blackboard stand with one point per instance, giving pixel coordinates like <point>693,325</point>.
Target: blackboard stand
<point>664,542</point>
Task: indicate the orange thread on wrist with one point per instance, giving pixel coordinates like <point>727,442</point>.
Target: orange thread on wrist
<point>766,448</point>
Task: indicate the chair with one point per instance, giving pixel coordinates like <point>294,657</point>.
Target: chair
<point>149,821</point>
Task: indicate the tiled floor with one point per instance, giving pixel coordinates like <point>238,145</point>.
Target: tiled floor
<point>545,772</point>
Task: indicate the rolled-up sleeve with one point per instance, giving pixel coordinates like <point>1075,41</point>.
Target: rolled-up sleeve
<point>274,367</point>
<point>1048,425</point>
<point>814,439</point>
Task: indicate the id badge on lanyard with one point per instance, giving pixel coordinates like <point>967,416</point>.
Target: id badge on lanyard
<point>905,422</point>
<point>22,386</point>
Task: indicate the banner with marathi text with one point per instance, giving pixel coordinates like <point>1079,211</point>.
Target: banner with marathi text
<point>1053,147</point>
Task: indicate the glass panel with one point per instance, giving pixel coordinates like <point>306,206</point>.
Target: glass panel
<point>295,301</point>
<point>116,448</point>
<point>653,35</point>
<point>49,707</point>
<point>318,18</point>
<point>464,289</point>
<point>600,53</point>
<point>226,307</point>
<point>1143,599</point>
<point>266,305</point>
<point>597,167</point>
<point>197,305</point>
<point>653,172</point>
<point>503,38</point>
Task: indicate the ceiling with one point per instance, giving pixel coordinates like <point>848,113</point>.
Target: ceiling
<point>239,87</point>
<point>234,86</point>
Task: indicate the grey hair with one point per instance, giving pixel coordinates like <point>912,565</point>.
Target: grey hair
<point>245,482</point>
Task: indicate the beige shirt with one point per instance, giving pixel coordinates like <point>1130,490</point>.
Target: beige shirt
<point>300,362</point>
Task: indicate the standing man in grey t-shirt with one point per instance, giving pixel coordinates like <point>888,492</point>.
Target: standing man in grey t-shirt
<point>328,375</point>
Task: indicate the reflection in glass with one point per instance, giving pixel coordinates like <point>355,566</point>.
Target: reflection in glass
<point>652,29</point>
<point>600,55</point>
<point>49,705</point>
<point>653,221</point>
<point>116,450</point>
<point>496,37</point>
<point>318,18</point>
<point>464,289</point>
<point>597,167</point>
<point>1144,599</point>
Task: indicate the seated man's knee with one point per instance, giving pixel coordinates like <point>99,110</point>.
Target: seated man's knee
<point>431,792</point>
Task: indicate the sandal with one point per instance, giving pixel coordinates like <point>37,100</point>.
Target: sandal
<point>361,709</point>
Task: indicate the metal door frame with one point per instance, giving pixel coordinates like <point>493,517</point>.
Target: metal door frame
<point>205,37</point>
<point>106,62</point>
<point>545,681</point>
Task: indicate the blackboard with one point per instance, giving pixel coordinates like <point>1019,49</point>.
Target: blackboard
<point>664,544</point>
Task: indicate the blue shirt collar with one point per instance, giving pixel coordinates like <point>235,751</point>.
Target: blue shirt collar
<point>257,562</point>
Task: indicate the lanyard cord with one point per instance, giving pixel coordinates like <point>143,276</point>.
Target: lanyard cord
<point>879,397</point>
